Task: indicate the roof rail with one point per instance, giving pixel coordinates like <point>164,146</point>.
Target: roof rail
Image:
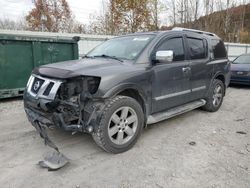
<point>193,30</point>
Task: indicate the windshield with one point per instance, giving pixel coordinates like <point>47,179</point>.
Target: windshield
<point>244,59</point>
<point>128,47</point>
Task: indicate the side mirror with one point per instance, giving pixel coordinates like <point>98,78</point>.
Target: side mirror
<point>165,56</point>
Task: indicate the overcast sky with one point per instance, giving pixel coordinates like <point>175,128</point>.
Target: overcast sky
<point>15,9</point>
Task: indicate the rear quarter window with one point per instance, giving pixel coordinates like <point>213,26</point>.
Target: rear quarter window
<point>219,50</point>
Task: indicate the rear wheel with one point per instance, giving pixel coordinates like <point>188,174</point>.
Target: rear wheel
<point>215,96</point>
<point>120,125</point>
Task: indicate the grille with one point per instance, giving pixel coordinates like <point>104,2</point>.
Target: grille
<point>40,87</point>
<point>48,89</point>
<point>37,84</point>
<point>239,73</point>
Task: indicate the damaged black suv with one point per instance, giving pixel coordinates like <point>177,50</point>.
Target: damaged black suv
<point>128,82</point>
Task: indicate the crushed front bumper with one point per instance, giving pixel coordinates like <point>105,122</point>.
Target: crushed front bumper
<point>53,160</point>
<point>40,124</point>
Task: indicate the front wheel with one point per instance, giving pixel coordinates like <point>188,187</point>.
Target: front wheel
<point>215,96</point>
<point>120,125</point>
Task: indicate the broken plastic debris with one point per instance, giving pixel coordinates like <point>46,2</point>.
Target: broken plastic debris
<point>53,161</point>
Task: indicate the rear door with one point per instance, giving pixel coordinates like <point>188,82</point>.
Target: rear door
<point>201,71</point>
<point>171,81</point>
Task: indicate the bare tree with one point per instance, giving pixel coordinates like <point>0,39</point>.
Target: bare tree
<point>206,6</point>
<point>195,9</point>
<point>6,23</point>
<point>156,7</point>
<point>173,11</point>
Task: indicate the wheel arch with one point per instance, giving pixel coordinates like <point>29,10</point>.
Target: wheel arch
<point>219,76</point>
<point>222,78</point>
<point>133,91</point>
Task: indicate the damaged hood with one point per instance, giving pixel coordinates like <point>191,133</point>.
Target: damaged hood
<point>89,67</point>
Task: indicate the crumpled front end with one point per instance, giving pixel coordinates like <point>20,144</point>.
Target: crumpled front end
<point>67,104</point>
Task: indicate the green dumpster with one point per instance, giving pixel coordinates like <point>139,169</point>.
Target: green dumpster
<point>20,54</point>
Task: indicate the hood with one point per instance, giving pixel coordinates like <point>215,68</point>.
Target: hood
<point>88,67</point>
<point>240,67</point>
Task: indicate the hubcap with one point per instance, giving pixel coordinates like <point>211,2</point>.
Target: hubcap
<point>122,125</point>
<point>217,95</point>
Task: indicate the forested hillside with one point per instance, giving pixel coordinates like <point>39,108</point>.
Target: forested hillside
<point>233,25</point>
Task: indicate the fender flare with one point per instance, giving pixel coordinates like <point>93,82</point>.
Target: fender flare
<point>219,73</point>
<point>122,87</point>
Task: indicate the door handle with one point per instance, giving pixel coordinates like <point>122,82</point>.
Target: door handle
<point>186,69</point>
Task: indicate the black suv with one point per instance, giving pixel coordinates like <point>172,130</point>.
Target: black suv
<point>128,82</point>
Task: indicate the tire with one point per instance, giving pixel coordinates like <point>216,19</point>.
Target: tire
<point>120,125</point>
<point>211,105</point>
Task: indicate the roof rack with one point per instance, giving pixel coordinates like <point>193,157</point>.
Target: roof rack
<point>193,30</point>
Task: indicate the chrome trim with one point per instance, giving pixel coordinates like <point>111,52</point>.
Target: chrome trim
<point>172,95</point>
<point>154,118</point>
<point>29,84</point>
<point>218,61</point>
<point>47,81</point>
<point>199,88</point>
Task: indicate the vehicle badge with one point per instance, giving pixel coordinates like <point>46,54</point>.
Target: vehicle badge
<point>240,72</point>
<point>36,85</point>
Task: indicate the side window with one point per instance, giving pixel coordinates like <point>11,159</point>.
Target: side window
<point>219,49</point>
<point>175,44</point>
<point>197,48</point>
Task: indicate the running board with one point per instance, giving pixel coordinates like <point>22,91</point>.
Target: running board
<point>154,118</point>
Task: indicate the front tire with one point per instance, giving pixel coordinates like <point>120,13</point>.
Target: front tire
<point>215,96</point>
<point>120,125</point>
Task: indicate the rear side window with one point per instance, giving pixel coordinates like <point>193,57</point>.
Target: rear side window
<point>197,48</point>
<point>176,45</point>
<point>219,49</point>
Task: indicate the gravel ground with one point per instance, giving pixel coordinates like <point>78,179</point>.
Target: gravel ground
<point>162,156</point>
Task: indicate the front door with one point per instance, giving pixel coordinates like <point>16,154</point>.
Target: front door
<point>171,81</point>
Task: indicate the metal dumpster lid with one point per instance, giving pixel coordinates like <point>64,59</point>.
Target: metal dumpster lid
<point>52,35</point>
<point>37,36</point>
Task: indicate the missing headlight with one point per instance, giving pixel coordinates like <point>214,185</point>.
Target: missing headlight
<point>93,84</point>
<point>75,86</point>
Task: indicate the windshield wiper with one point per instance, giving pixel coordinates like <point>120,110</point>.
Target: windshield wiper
<point>107,56</point>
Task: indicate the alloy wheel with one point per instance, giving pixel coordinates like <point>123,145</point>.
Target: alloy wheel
<point>217,95</point>
<point>122,126</point>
